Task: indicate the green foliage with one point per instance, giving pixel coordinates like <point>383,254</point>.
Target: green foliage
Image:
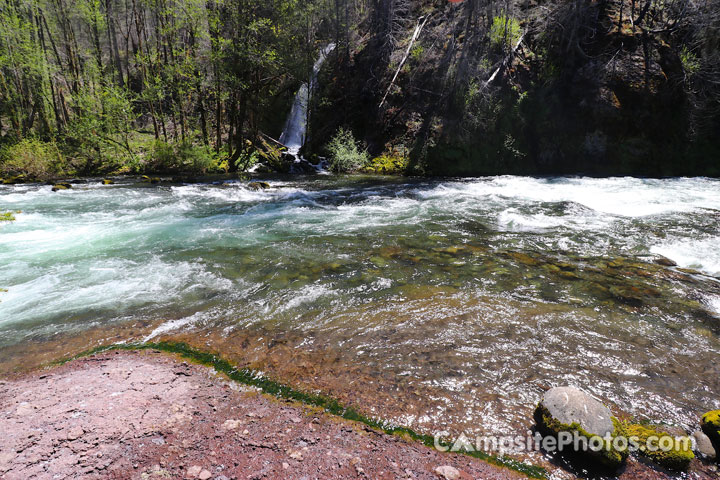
<point>346,153</point>
<point>101,129</point>
<point>505,32</point>
<point>417,52</point>
<point>690,61</point>
<point>387,164</point>
<point>33,158</point>
<point>183,156</point>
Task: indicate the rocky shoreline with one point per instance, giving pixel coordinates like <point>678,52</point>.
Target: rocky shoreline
<point>147,415</point>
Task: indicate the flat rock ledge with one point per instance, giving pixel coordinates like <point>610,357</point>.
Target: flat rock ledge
<point>146,415</point>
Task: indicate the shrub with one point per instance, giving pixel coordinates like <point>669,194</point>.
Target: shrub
<point>33,158</point>
<point>505,32</point>
<point>183,156</point>
<point>346,154</point>
<point>387,164</point>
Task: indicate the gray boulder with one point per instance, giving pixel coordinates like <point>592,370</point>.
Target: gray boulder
<point>569,409</point>
<point>569,405</point>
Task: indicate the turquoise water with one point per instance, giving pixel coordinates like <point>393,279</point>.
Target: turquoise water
<point>434,302</point>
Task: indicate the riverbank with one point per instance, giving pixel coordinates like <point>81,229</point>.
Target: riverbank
<point>144,414</point>
<point>148,415</point>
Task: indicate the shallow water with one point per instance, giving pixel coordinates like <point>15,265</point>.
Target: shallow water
<point>440,304</point>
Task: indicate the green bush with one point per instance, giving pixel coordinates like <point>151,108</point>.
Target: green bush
<point>35,159</point>
<point>505,32</point>
<point>346,154</point>
<point>387,164</point>
<point>183,156</point>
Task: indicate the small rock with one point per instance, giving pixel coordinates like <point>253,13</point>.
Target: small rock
<point>75,433</point>
<point>231,424</point>
<point>447,472</point>
<point>285,465</point>
<point>205,475</point>
<point>295,419</point>
<point>704,446</point>
<point>194,471</point>
<point>296,455</point>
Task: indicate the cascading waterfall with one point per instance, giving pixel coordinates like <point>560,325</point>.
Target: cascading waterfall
<point>293,135</point>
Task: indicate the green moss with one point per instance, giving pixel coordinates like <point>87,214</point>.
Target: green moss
<point>712,419</point>
<point>328,404</point>
<point>7,217</point>
<point>711,425</point>
<point>608,457</point>
<point>677,458</point>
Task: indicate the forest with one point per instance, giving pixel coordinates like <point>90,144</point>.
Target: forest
<point>90,87</point>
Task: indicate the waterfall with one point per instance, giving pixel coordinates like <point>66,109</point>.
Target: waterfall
<point>293,135</point>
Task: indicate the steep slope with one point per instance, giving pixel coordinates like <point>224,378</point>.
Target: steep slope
<point>591,87</point>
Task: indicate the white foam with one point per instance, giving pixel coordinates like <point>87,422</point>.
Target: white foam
<point>173,325</point>
<point>714,305</point>
<point>702,254</point>
<point>630,197</point>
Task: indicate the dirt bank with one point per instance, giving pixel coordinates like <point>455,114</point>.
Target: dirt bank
<point>148,415</point>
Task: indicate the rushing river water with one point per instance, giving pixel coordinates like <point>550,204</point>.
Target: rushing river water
<point>439,304</point>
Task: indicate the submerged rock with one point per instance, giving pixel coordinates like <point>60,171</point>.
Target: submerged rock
<point>569,409</point>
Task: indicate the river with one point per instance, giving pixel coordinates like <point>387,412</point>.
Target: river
<point>439,304</point>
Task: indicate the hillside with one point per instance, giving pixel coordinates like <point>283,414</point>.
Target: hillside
<point>594,87</point>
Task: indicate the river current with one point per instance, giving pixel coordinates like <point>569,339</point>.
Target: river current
<point>437,304</point>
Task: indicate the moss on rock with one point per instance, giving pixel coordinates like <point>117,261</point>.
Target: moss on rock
<point>711,426</point>
<point>668,451</point>
<point>258,185</point>
<point>606,458</point>
<point>61,186</point>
